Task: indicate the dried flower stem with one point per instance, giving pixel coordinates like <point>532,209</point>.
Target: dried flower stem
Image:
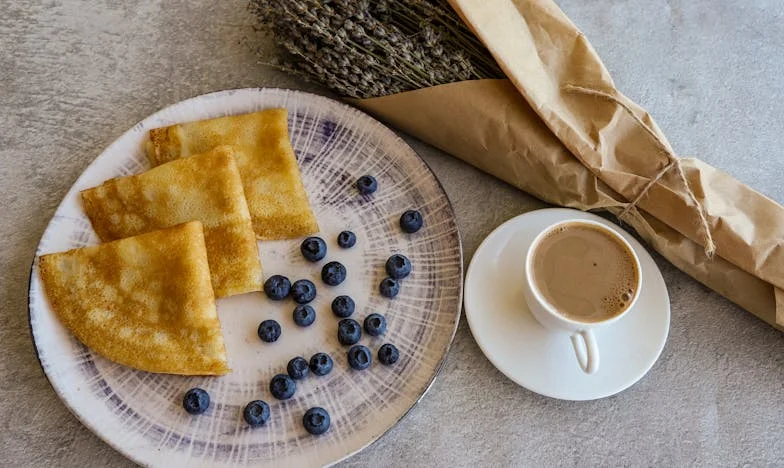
<point>360,48</point>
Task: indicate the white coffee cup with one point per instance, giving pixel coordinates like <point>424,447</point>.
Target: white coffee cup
<point>581,333</point>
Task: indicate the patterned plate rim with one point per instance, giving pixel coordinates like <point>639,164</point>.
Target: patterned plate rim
<point>217,94</point>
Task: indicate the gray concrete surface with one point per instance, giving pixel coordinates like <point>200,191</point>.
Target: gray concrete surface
<point>76,74</point>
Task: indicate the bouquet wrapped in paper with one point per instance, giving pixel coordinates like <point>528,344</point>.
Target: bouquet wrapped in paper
<point>555,126</point>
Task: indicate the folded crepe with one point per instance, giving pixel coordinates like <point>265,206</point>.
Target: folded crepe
<point>207,188</point>
<point>144,301</point>
<point>273,186</point>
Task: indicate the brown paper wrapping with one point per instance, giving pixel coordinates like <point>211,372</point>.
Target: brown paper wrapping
<point>589,153</point>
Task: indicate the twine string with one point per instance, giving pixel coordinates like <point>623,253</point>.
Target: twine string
<point>673,162</point>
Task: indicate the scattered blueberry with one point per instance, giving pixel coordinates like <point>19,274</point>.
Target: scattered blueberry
<point>256,413</point>
<point>375,324</point>
<point>303,291</point>
<point>367,184</point>
<point>343,306</point>
<point>321,364</point>
<point>297,368</point>
<point>282,387</point>
<point>389,287</point>
<point>333,273</point>
<point>347,239</point>
<point>313,249</point>
<point>277,287</point>
<point>349,331</point>
<point>398,266</point>
<point>359,357</point>
<point>304,315</point>
<point>411,221</point>
<point>316,420</point>
<point>196,401</point>
<point>388,354</point>
<point>269,331</point>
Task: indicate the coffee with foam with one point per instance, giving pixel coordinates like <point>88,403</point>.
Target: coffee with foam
<point>584,272</point>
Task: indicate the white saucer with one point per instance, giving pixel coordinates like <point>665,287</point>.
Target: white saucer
<point>543,361</point>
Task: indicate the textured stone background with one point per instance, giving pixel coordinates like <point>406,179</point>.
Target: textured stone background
<point>75,74</point>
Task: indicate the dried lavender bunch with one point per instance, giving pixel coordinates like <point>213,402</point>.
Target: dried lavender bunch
<point>362,48</point>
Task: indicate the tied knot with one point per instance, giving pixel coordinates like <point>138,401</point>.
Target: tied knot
<point>673,162</point>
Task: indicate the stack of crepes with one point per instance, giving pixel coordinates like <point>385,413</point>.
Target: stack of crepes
<point>559,129</point>
<point>177,236</point>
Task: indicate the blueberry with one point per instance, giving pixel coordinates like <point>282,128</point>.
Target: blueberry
<point>398,266</point>
<point>359,357</point>
<point>269,331</point>
<point>375,324</point>
<point>333,273</point>
<point>304,315</point>
<point>277,287</point>
<point>389,287</point>
<point>367,184</point>
<point>313,249</point>
<point>303,291</point>
<point>411,221</point>
<point>349,331</point>
<point>347,239</point>
<point>316,420</point>
<point>297,368</point>
<point>388,354</point>
<point>196,401</point>
<point>256,413</point>
<point>321,364</point>
<point>282,387</point>
<point>343,306</point>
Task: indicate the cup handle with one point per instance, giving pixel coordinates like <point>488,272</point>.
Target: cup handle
<point>586,350</point>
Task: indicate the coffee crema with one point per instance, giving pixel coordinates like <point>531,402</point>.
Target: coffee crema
<point>585,273</point>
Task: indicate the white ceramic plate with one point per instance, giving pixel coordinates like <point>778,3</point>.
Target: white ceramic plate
<point>543,361</point>
<point>141,414</point>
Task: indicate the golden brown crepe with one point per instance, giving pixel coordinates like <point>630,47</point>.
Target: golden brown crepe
<point>144,301</point>
<point>273,187</point>
<point>207,188</point>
